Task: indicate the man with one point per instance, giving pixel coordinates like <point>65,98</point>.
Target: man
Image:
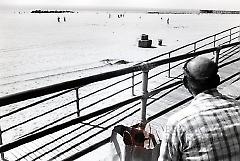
<point>209,128</point>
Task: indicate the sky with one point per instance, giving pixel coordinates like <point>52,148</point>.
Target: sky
<point>161,4</point>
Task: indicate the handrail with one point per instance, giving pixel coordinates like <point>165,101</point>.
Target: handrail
<point>223,41</point>
<point>9,99</point>
<point>195,42</point>
<point>100,77</point>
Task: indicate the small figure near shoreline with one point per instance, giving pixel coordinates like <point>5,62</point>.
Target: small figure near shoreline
<point>58,19</point>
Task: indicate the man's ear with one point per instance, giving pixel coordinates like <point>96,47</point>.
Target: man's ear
<point>185,82</point>
<point>217,79</point>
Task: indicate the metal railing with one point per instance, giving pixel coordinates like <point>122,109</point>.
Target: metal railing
<point>77,116</point>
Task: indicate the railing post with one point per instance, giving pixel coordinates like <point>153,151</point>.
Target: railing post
<point>195,47</point>
<point>169,66</point>
<point>214,43</point>
<point>77,102</point>
<point>230,36</point>
<point>217,54</point>
<point>239,34</point>
<point>145,94</point>
<point>133,84</point>
<point>1,142</point>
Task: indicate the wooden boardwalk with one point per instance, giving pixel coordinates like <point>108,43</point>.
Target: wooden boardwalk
<point>62,144</point>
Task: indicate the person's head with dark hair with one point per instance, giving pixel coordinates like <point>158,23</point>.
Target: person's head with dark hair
<point>200,74</point>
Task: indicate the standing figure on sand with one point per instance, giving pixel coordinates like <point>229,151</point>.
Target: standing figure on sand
<point>59,19</point>
<point>168,21</point>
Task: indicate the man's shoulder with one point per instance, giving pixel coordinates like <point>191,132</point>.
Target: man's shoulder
<point>184,114</point>
<point>203,102</point>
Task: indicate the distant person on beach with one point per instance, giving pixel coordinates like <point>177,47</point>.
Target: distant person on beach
<point>58,19</point>
<point>64,19</point>
<point>168,21</point>
<point>209,127</point>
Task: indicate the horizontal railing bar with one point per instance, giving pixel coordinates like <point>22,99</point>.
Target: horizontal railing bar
<point>9,99</point>
<point>233,38</point>
<point>35,103</point>
<point>56,128</point>
<point>95,78</point>
<point>111,85</point>
<point>215,34</point>
<point>33,118</point>
<point>191,44</point>
<point>109,96</point>
<point>181,57</point>
<point>222,38</point>
<point>234,33</point>
<point>199,47</point>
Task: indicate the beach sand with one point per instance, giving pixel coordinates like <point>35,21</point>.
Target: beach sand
<point>36,51</point>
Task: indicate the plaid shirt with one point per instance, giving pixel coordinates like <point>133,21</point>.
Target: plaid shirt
<point>208,129</point>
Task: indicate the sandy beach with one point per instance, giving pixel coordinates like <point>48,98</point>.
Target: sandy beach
<point>36,50</point>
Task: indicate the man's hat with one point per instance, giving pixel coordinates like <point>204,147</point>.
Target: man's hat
<point>201,68</point>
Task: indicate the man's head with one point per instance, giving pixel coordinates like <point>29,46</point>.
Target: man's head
<point>200,74</point>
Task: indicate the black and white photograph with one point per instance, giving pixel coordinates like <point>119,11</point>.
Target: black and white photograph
<point>119,80</point>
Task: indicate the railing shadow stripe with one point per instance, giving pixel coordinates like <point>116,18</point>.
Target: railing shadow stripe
<point>50,124</point>
<point>161,96</point>
<point>58,138</point>
<point>96,134</point>
<point>229,56</point>
<point>228,63</point>
<point>86,131</point>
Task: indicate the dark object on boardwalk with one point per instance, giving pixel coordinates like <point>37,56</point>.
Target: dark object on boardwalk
<point>133,144</point>
<point>144,42</point>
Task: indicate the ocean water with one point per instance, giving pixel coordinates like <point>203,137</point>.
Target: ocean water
<point>36,50</point>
